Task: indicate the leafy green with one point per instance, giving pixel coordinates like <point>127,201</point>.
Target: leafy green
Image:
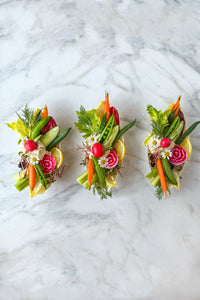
<point>160,193</point>
<point>88,122</point>
<point>103,192</point>
<point>26,116</point>
<point>159,120</point>
<point>20,127</point>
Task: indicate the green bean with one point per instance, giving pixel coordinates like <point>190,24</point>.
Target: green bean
<point>40,175</point>
<point>124,129</point>
<point>58,139</point>
<point>168,171</point>
<point>99,171</point>
<point>173,126</point>
<point>187,132</point>
<point>171,116</point>
<point>38,127</point>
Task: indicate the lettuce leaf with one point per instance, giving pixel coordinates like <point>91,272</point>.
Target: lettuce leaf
<point>88,122</point>
<point>20,127</point>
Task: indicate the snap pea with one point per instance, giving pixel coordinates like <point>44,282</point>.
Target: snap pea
<point>40,175</point>
<point>38,127</point>
<point>103,123</point>
<point>99,171</point>
<point>187,132</point>
<point>168,171</point>
<point>107,130</point>
<point>175,134</point>
<point>124,129</point>
<point>171,116</point>
<point>58,139</point>
<point>173,126</point>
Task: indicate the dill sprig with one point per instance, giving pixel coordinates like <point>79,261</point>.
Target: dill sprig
<point>160,193</point>
<point>26,116</point>
<point>102,192</point>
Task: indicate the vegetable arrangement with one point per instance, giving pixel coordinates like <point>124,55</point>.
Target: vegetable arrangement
<point>103,147</point>
<point>40,156</point>
<point>168,147</point>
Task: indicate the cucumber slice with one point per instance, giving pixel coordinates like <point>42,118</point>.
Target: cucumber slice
<point>108,143</point>
<point>50,135</point>
<point>19,176</point>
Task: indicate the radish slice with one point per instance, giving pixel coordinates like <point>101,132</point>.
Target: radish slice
<point>48,164</point>
<point>51,124</point>
<point>179,155</point>
<point>165,143</point>
<point>112,159</point>
<point>30,145</point>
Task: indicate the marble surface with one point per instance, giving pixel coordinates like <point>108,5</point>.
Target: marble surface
<point>69,244</point>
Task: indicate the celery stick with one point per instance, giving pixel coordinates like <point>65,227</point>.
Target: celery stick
<point>82,178</point>
<point>19,176</point>
<point>94,179</point>
<point>22,184</point>
<point>152,174</point>
<point>156,181</point>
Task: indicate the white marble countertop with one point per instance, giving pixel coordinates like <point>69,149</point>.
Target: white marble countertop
<point>68,244</point>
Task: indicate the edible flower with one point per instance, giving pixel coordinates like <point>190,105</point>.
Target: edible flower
<point>103,161</point>
<point>166,153</point>
<point>33,159</point>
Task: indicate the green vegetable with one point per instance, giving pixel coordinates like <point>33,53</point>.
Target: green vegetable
<point>88,122</point>
<point>173,126</point>
<point>156,181</point>
<point>22,183</point>
<point>109,142</point>
<point>83,177</point>
<point>124,129</point>
<point>99,171</point>
<point>20,175</point>
<point>168,171</point>
<point>58,139</point>
<point>152,174</point>
<point>103,123</point>
<point>40,175</point>
<point>38,127</point>
<point>94,179</point>
<point>159,120</point>
<point>171,116</point>
<point>20,127</point>
<point>176,133</point>
<point>107,130</point>
<point>187,132</point>
<point>50,135</point>
<point>26,116</point>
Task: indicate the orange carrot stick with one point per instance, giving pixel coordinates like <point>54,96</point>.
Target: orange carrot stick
<point>106,107</point>
<point>176,104</point>
<point>45,112</point>
<point>176,113</point>
<point>90,172</point>
<point>31,176</point>
<point>162,176</point>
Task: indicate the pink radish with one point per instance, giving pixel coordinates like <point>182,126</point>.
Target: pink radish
<point>179,155</point>
<point>51,124</point>
<point>112,159</point>
<point>114,111</point>
<point>97,150</point>
<point>48,164</point>
<point>30,145</point>
<point>165,143</point>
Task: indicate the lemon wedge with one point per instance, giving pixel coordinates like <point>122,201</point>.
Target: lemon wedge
<point>186,144</point>
<point>110,181</point>
<point>58,155</point>
<point>99,110</point>
<point>120,148</point>
<point>38,189</point>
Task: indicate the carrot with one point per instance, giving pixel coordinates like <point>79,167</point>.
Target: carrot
<point>90,172</point>
<point>31,176</point>
<point>176,112</point>
<point>106,107</point>
<point>162,176</point>
<point>176,104</point>
<point>45,112</point>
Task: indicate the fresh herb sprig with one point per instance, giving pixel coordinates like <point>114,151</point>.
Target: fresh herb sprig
<point>159,120</point>
<point>101,191</point>
<point>160,193</point>
<point>26,116</point>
